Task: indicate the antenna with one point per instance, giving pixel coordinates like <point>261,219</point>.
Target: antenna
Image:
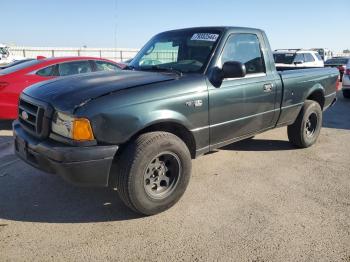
<point>115,28</point>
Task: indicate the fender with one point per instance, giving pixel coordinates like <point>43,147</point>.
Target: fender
<point>121,127</point>
<point>315,88</point>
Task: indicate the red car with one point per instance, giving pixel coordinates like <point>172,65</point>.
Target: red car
<point>16,78</point>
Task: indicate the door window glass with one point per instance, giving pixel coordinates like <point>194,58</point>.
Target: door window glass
<point>73,68</point>
<point>47,71</point>
<point>105,66</point>
<point>244,48</point>
<point>299,58</point>
<point>309,58</point>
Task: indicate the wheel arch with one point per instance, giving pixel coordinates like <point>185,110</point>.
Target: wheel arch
<point>317,94</point>
<point>171,126</point>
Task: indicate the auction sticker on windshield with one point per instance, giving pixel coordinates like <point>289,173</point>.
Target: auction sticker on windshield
<point>205,37</point>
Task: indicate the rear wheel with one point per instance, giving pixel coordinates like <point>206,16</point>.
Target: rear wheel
<point>153,172</point>
<point>346,93</point>
<point>306,128</point>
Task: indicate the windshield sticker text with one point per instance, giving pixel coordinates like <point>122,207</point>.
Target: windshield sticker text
<point>205,37</point>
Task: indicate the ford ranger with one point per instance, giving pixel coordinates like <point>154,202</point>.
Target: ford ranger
<point>185,93</point>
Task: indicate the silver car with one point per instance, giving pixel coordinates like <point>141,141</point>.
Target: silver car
<point>346,81</point>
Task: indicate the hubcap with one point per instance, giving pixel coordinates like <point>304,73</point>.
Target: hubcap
<point>162,175</point>
<point>311,125</point>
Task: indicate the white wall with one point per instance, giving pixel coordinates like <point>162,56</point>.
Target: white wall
<point>116,54</point>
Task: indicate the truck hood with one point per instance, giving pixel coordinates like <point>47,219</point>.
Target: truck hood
<point>68,93</point>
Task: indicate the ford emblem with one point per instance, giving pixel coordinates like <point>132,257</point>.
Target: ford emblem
<point>24,115</point>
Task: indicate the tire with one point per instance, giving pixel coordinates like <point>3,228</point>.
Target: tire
<point>346,93</point>
<point>146,185</point>
<point>305,130</point>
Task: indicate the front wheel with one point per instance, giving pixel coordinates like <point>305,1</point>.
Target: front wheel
<point>153,172</point>
<point>306,128</point>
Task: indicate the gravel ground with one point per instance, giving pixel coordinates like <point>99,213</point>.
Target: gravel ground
<point>258,200</point>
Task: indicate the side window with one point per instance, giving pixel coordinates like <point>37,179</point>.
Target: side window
<point>47,71</point>
<point>105,66</point>
<point>318,56</point>
<point>299,58</point>
<point>244,48</point>
<point>74,68</point>
<point>309,58</point>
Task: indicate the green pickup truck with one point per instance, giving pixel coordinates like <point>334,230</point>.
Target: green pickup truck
<point>186,92</point>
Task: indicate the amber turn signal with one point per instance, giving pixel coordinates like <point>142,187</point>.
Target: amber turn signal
<point>82,130</point>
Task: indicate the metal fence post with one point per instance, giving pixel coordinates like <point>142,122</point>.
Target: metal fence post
<point>53,52</point>
<point>78,52</point>
<point>121,55</point>
<point>24,52</point>
<point>100,53</point>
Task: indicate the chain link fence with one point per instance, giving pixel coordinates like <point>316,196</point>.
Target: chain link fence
<point>115,54</point>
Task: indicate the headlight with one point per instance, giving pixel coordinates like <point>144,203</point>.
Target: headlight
<point>74,128</point>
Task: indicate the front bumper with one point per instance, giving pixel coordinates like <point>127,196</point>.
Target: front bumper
<point>83,166</point>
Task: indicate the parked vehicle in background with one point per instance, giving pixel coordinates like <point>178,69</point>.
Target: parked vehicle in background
<point>138,130</point>
<point>4,53</point>
<point>339,62</point>
<point>17,77</point>
<point>6,57</point>
<point>324,53</point>
<point>346,81</point>
<point>16,62</point>
<point>297,58</point>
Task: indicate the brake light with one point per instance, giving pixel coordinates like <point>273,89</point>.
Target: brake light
<point>3,85</point>
<point>347,72</point>
<point>337,85</point>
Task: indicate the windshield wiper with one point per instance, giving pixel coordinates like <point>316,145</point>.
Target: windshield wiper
<point>160,68</point>
<point>129,67</point>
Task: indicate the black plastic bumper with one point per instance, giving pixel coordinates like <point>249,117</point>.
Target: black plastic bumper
<point>83,166</point>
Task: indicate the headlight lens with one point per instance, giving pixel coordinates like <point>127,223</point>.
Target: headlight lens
<point>75,128</point>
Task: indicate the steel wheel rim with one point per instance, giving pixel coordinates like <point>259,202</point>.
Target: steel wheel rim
<point>311,125</point>
<point>162,175</point>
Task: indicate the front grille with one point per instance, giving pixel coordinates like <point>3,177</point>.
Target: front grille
<point>33,116</point>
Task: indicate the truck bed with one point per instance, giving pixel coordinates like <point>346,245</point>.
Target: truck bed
<point>299,83</point>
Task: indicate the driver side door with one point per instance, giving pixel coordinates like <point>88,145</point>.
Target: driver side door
<point>242,106</point>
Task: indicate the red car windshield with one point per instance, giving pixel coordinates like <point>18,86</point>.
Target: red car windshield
<point>18,67</point>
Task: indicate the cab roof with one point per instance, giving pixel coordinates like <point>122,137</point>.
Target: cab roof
<point>216,28</point>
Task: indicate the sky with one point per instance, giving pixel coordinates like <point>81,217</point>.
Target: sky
<point>129,24</point>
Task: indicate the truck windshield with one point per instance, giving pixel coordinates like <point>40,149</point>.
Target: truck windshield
<point>284,58</point>
<point>184,51</point>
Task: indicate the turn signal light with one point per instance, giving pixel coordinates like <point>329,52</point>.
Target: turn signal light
<point>82,130</point>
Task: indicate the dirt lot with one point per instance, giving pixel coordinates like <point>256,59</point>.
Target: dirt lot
<point>259,200</point>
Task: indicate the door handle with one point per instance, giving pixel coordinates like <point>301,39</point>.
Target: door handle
<point>267,87</point>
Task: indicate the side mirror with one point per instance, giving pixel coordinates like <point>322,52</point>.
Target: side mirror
<point>230,69</point>
<point>233,69</point>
